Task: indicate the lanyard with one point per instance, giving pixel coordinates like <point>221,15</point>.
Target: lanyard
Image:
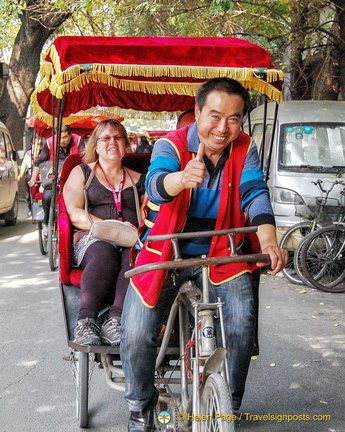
<point>117,194</point>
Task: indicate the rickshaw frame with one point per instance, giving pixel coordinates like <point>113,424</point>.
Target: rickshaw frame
<point>171,84</point>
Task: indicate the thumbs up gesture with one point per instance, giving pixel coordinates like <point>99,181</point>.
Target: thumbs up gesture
<point>201,151</point>
<point>195,171</point>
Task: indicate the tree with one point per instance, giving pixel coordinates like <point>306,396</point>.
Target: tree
<point>305,38</point>
<point>38,23</point>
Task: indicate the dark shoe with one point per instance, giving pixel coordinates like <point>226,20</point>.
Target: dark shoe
<point>143,421</point>
<point>240,417</point>
<point>87,332</point>
<point>110,331</point>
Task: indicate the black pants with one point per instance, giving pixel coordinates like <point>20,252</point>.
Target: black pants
<point>103,282</point>
<point>46,201</point>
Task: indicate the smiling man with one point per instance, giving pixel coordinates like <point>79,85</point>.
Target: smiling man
<point>202,177</point>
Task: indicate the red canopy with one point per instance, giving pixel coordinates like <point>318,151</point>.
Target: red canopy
<point>155,134</point>
<point>146,74</point>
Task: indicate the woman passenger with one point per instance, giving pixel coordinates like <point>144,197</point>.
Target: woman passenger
<point>110,196</point>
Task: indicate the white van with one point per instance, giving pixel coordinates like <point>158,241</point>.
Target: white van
<point>8,178</point>
<point>308,144</point>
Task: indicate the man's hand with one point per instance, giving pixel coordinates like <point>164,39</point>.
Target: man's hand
<point>31,182</point>
<point>195,170</point>
<point>278,256</point>
<point>268,242</point>
<point>190,178</point>
<point>201,152</point>
<point>34,176</point>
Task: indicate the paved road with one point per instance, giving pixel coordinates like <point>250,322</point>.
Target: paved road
<point>299,373</point>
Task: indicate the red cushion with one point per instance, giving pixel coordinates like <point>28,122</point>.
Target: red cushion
<point>35,194</point>
<point>70,162</point>
<point>65,242</point>
<point>65,227</point>
<point>68,274</point>
<point>75,277</point>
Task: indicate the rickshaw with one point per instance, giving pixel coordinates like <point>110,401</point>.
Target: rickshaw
<point>150,78</point>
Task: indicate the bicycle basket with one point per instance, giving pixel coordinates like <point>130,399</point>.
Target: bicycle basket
<point>305,207</point>
<point>328,209</point>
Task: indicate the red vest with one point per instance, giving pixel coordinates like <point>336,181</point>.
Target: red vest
<point>172,217</point>
<point>73,149</point>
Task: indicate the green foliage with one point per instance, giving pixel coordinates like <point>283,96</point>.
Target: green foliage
<point>274,24</point>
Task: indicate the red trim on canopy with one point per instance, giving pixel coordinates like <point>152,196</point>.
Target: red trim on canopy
<point>156,134</point>
<point>81,127</point>
<point>146,74</point>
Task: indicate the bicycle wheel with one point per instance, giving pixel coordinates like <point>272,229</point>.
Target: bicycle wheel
<point>216,405</point>
<point>298,265</point>
<point>323,259</point>
<point>42,239</point>
<point>53,239</point>
<point>290,242</point>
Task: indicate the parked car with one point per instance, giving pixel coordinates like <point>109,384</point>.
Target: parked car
<point>308,144</point>
<point>8,178</point>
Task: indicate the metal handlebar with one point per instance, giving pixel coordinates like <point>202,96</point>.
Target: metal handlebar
<point>203,261</point>
<point>319,182</point>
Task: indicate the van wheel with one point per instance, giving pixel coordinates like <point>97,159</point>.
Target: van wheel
<point>11,216</point>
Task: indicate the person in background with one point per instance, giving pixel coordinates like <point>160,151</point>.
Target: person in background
<point>69,144</point>
<point>110,196</point>
<point>202,177</point>
<point>30,157</point>
<point>143,145</point>
<point>132,145</point>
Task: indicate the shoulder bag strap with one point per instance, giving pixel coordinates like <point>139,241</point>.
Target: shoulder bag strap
<point>85,188</point>
<point>136,196</point>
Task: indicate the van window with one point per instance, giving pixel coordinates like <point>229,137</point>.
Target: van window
<point>312,147</point>
<point>8,145</point>
<point>257,137</point>
<point>3,154</point>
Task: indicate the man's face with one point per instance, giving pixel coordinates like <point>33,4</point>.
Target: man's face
<point>219,121</point>
<point>65,139</point>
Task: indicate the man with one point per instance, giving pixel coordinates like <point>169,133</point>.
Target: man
<point>69,144</point>
<point>221,166</point>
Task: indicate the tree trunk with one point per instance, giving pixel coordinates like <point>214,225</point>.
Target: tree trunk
<point>24,66</point>
<point>299,81</point>
<point>340,14</point>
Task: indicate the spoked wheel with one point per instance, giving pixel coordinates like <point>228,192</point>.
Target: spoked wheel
<point>42,239</point>
<point>323,259</point>
<point>53,239</point>
<point>216,405</point>
<point>298,265</point>
<point>80,369</point>
<point>290,242</point>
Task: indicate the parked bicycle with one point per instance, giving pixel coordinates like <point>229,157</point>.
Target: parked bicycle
<point>317,212</point>
<point>322,255</point>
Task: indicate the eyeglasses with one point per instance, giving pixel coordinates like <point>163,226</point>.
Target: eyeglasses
<point>106,139</point>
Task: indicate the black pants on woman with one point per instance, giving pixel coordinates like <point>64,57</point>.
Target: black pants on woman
<point>103,282</point>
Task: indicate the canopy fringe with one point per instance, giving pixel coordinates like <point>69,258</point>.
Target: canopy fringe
<point>126,113</point>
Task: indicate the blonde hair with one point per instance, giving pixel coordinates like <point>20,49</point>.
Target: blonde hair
<point>90,154</point>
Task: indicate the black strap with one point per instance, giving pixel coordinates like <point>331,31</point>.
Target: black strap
<point>87,185</point>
